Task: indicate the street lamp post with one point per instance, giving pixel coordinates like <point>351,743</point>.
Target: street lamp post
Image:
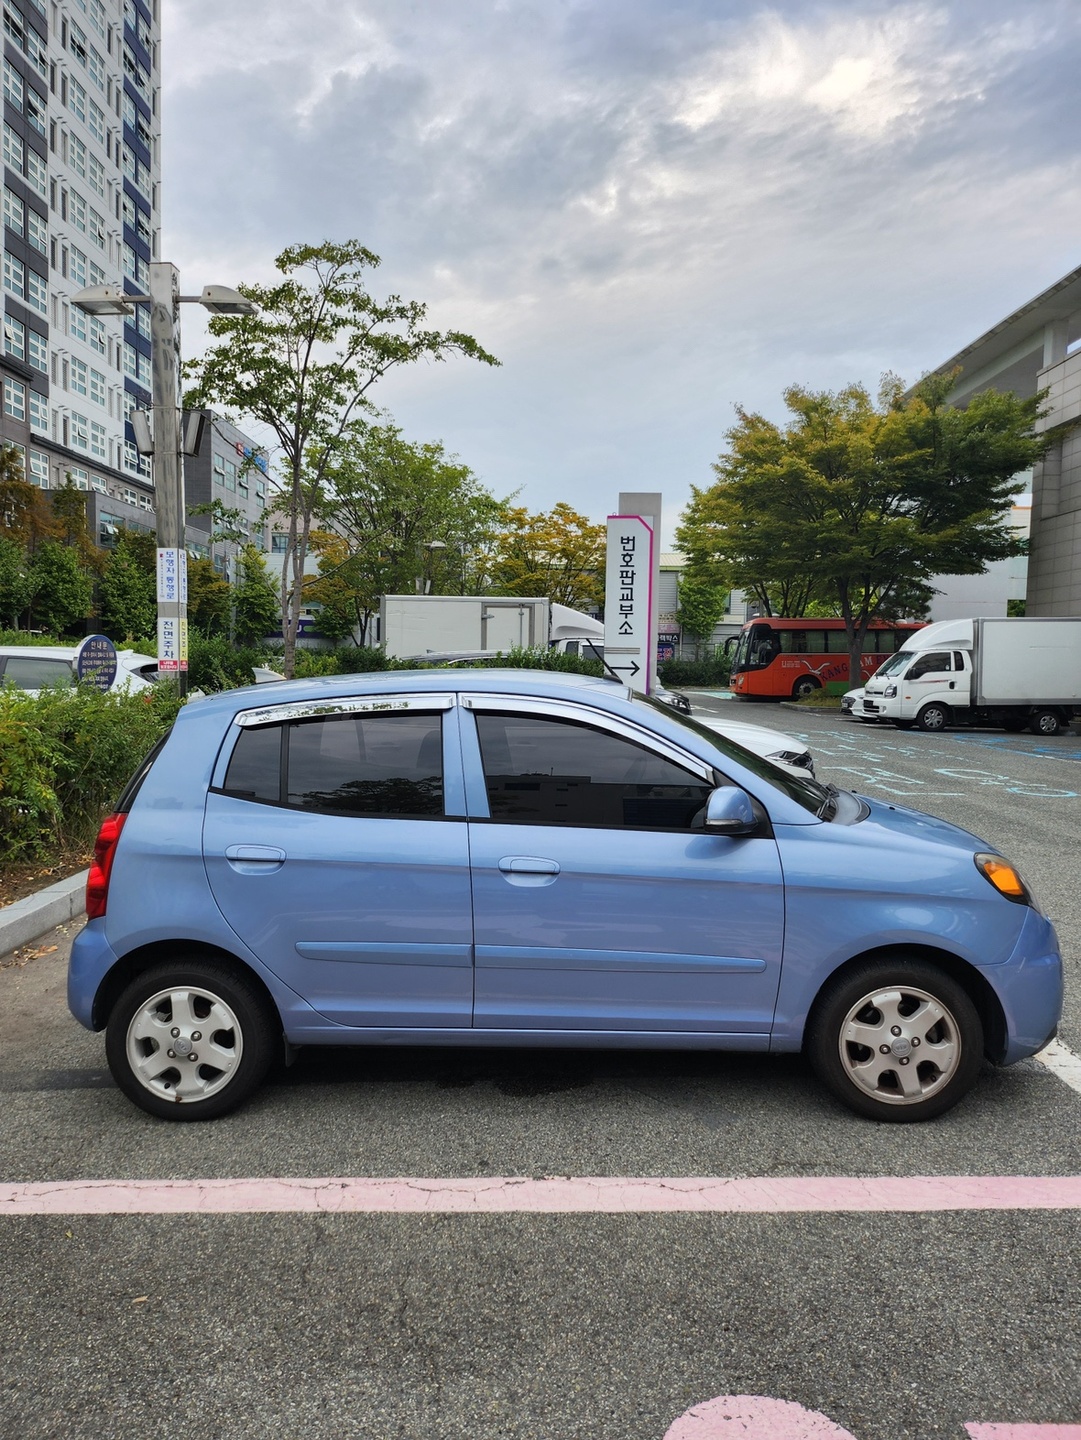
<point>164,443</point>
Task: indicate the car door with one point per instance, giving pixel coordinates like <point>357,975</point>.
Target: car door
<point>599,901</point>
<point>336,846</point>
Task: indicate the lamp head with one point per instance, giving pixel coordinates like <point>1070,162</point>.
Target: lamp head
<point>222,300</point>
<point>104,300</point>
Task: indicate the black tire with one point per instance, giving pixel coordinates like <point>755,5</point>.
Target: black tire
<point>236,1053</point>
<point>1044,722</point>
<point>804,687</point>
<point>934,717</point>
<point>941,1040</point>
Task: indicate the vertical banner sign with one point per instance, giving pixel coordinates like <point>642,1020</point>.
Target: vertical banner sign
<point>172,594</point>
<point>628,599</point>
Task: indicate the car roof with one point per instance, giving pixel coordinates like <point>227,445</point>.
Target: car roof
<point>40,652</point>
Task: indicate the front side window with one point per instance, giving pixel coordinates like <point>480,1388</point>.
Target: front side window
<point>548,771</point>
<point>387,766</point>
<point>932,663</point>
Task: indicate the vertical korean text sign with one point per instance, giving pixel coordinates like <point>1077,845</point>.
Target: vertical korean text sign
<point>628,599</point>
<point>172,602</point>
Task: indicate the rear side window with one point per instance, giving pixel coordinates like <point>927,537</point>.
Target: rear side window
<point>30,672</point>
<point>379,765</point>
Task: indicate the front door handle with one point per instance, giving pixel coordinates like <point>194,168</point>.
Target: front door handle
<point>527,865</point>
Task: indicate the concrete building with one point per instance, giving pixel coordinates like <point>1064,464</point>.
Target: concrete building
<point>231,469</point>
<point>81,206</point>
<point>1039,347</point>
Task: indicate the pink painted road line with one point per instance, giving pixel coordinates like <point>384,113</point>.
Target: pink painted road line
<point>1024,1432</point>
<point>503,1195</point>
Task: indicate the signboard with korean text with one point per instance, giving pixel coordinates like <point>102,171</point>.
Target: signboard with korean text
<point>172,577</point>
<point>628,599</point>
<point>95,663</point>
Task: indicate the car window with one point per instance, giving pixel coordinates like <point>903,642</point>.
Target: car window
<point>30,672</point>
<point>547,771</point>
<point>378,765</point>
<point>932,663</point>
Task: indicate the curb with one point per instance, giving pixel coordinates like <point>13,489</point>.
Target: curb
<point>26,919</point>
<point>811,709</point>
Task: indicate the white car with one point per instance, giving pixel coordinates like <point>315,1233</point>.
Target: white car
<point>852,705</point>
<point>29,667</point>
<point>784,750</point>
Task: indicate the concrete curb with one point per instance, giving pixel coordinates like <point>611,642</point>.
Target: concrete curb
<point>811,709</point>
<point>27,919</point>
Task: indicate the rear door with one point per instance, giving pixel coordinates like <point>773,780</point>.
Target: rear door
<point>336,846</point>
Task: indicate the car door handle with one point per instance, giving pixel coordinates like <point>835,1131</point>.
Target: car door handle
<point>257,854</point>
<point>527,865</point>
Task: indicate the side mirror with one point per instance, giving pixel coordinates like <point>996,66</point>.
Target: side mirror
<point>729,812</point>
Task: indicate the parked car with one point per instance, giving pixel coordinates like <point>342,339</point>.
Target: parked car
<point>852,705</point>
<point>771,744</point>
<point>507,857</point>
<point>32,667</point>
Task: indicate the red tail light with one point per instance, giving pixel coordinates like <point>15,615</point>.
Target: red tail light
<point>97,884</point>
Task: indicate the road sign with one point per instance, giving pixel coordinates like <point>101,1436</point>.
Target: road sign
<point>628,599</point>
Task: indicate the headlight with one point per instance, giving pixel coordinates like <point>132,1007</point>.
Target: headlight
<point>1005,878</point>
<point>890,691</point>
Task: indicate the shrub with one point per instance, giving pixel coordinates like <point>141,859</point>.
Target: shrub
<point>214,663</point>
<point>65,756</point>
<point>675,673</point>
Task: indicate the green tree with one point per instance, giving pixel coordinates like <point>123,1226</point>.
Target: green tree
<point>15,591</point>
<point>258,612</point>
<point>701,606</point>
<point>71,527</point>
<point>128,595</point>
<point>388,500</point>
<point>25,514</point>
<point>863,504</point>
<point>209,598</point>
<point>62,592</point>
<point>560,554</point>
<point>303,367</point>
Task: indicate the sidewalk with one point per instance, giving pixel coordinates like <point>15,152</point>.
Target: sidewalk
<point>26,919</point>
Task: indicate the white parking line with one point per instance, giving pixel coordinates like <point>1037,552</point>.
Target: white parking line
<point>1061,1061</point>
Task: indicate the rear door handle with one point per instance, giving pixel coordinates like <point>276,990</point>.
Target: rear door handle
<point>527,865</point>
<point>255,854</point>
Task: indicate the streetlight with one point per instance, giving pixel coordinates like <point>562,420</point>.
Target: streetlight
<point>431,546</point>
<point>164,443</point>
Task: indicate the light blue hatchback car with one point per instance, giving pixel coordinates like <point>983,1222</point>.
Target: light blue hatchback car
<point>516,858</point>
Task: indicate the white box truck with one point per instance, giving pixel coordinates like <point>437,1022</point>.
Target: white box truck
<point>465,626</point>
<point>1010,673</point>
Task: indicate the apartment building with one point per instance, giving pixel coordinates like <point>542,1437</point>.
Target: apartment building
<point>81,205</point>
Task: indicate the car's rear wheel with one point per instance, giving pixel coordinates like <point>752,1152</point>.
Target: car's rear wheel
<point>1044,722</point>
<point>896,1040</point>
<point>189,1042</point>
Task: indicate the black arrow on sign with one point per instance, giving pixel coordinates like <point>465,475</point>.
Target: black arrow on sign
<point>633,667</point>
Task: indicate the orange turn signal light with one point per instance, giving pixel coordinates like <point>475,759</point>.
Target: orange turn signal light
<point>1004,877</point>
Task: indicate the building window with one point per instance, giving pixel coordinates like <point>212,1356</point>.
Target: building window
<point>79,478</point>
<point>37,292</point>
<point>142,320</point>
<point>39,413</point>
<point>80,431</point>
<point>97,18</point>
<point>14,338</point>
<point>15,399</point>
<point>136,364</point>
<point>39,468</point>
<point>37,173</point>
<point>77,155</point>
<point>36,111</point>
<point>97,229</point>
<point>13,149</point>
<point>20,449</point>
<point>97,123</point>
<point>37,232</point>
<point>95,174</point>
<point>14,213</point>
<point>279,544</point>
<point>95,68</point>
<point>98,335</point>
<point>14,276</point>
<point>13,85</point>
<point>77,210</point>
<point>77,374</point>
<point>98,441</point>
<point>97,387</point>
<point>37,351</point>
<point>77,321</point>
<point>76,99</point>
<point>230,475</point>
<point>77,266</point>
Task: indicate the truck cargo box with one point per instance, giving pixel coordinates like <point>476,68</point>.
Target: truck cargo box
<point>1028,661</point>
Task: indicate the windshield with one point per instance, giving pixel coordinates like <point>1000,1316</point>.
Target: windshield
<point>805,792</point>
<point>895,663</point>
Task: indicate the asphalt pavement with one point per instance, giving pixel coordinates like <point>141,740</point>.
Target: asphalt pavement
<point>555,1327</point>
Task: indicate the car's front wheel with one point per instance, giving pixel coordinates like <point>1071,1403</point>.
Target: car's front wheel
<point>189,1042</point>
<point>896,1040</point>
<point>934,716</point>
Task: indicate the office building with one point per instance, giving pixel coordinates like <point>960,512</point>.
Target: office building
<point>81,207</point>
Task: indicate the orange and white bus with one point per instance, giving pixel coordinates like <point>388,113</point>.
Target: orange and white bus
<point>779,659</point>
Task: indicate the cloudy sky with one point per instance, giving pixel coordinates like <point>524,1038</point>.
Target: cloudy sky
<point>650,210</point>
